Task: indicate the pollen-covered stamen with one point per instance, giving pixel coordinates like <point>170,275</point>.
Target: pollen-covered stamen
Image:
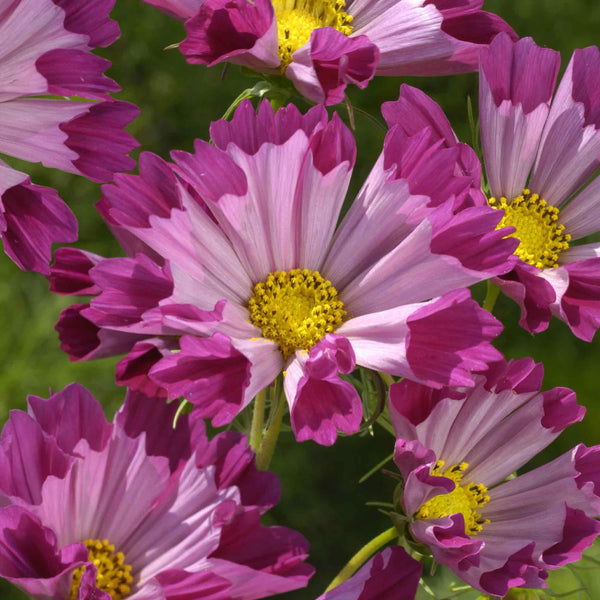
<point>114,575</point>
<point>295,309</point>
<point>463,499</point>
<point>296,20</point>
<point>537,228</point>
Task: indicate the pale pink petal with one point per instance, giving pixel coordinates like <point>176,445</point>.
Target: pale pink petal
<point>521,435</point>
<point>79,137</point>
<point>180,585</point>
<point>184,525</point>
<point>28,29</point>
<point>379,340</point>
<point>105,495</point>
<point>513,110</point>
<point>180,9</point>
<point>408,34</point>
<point>581,216</point>
<point>570,148</point>
<point>262,226</point>
<point>425,38</point>
<point>384,212</point>
<point>444,252</point>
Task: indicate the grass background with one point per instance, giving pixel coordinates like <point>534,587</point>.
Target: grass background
<point>321,496</point>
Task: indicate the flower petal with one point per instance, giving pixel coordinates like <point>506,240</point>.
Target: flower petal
<point>322,68</point>
<point>235,31</point>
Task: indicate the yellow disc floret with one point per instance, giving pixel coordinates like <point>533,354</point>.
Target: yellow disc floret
<point>296,20</point>
<point>537,228</point>
<point>463,499</point>
<point>295,309</point>
<point>114,576</point>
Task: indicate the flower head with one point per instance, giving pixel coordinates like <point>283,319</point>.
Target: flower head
<point>324,45</point>
<point>136,510</point>
<point>45,51</point>
<point>539,154</point>
<point>540,157</point>
<point>240,270</point>
<point>457,451</point>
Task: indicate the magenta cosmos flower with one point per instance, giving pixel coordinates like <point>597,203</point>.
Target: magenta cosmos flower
<point>539,156</point>
<point>390,575</point>
<point>456,449</point>
<point>45,50</point>
<point>240,270</point>
<point>99,511</point>
<point>323,45</point>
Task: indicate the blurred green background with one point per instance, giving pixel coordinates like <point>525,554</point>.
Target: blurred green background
<point>321,495</point>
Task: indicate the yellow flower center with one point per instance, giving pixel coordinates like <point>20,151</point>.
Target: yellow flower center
<point>295,309</point>
<point>296,20</point>
<point>114,576</point>
<point>463,499</point>
<point>542,238</point>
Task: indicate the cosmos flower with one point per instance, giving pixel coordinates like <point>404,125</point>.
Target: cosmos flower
<point>324,45</point>
<point>45,51</point>
<point>236,271</point>
<point>457,450</point>
<point>134,509</point>
<point>540,156</point>
<point>390,575</point>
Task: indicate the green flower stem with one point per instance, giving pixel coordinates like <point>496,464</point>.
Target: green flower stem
<point>258,91</point>
<point>491,296</point>
<point>376,468</point>
<point>269,441</point>
<point>387,378</point>
<point>363,555</point>
<point>182,406</point>
<point>258,420</point>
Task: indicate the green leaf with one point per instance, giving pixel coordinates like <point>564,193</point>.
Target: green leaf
<point>443,585</point>
<point>580,580</point>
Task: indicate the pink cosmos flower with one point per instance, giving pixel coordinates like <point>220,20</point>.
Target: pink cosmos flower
<point>236,265</point>
<point>539,156</point>
<point>45,50</point>
<point>390,575</point>
<point>456,450</point>
<point>323,45</point>
<point>134,509</point>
